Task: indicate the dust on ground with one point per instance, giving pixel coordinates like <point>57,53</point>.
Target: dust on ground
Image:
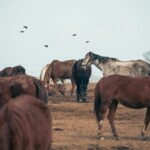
<point>75,127</point>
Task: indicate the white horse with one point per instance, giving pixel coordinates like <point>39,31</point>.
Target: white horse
<point>110,66</point>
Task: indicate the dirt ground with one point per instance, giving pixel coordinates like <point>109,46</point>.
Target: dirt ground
<point>75,127</point>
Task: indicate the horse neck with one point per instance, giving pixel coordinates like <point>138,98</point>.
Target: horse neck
<point>103,63</point>
<point>100,61</point>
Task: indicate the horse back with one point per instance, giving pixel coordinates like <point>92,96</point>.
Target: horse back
<point>130,91</point>
<point>20,124</point>
<point>11,87</point>
<point>62,69</point>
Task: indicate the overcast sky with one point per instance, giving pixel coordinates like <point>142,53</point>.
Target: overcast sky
<point>115,28</point>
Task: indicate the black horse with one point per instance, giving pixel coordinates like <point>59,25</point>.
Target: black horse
<point>81,77</point>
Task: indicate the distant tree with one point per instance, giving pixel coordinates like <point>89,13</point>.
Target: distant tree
<point>146,55</point>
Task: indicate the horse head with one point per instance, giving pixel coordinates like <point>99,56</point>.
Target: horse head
<point>87,61</point>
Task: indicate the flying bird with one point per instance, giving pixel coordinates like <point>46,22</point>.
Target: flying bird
<point>25,27</point>
<point>74,34</point>
<point>22,31</point>
<point>87,41</point>
<point>45,45</point>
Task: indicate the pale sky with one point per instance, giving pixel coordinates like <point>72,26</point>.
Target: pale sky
<point>115,28</point>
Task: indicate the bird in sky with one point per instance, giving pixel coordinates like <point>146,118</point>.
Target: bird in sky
<point>74,34</point>
<point>25,27</point>
<point>45,45</point>
<point>87,41</point>
<point>22,31</point>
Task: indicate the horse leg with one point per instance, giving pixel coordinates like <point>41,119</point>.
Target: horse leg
<point>111,116</point>
<point>55,82</point>
<point>100,121</point>
<point>73,87</point>
<point>146,122</point>
<point>78,92</point>
<point>85,91</point>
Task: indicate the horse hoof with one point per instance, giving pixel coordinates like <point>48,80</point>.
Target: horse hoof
<point>117,138</point>
<point>79,101</point>
<point>85,101</point>
<point>143,138</point>
<point>100,138</point>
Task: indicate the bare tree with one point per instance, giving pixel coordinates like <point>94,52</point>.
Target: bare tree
<point>146,55</point>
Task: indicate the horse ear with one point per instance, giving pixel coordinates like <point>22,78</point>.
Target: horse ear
<point>90,52</point>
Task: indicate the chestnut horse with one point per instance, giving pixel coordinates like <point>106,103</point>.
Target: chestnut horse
<point>110,66</point>
<point>11,87</point>
<point>45,75</point>
<point>25,124</point>
<point>132,92</point>
<point>61,70</point>
<point>12,71</point>
<point>81,77</point>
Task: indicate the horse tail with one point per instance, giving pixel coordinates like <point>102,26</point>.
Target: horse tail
<point>97,102</point>
<point>40,91</point>
<point>149,68</point>
<point>48,73</point>
<point>42,74</point>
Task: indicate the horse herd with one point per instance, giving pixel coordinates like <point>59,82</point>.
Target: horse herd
<point>23,98</point>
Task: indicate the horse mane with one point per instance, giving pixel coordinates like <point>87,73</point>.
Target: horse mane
<point>104,59</point>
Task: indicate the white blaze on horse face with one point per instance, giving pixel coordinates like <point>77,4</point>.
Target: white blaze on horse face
<point>86,61</point>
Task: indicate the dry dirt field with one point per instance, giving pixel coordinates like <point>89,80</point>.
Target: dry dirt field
<point>75,127</point>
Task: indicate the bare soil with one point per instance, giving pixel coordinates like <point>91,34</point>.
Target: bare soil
<point>75,127</point>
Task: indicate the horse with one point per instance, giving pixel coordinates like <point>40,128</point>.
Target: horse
<point>110,66</point>
<point>25,124</point>
<point>45,77</point>
<point>12,71</point>
<point>11,87</point>
<point>60,89</point>
<point>132,92</point>
<point>62,70</point>
<point>81,77</point>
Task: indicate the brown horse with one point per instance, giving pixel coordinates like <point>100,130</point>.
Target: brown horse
<point>12,71</point>
<point>62,70</point>
<point>133,92</point>
<point>11,87</point>
<point>25,124</point>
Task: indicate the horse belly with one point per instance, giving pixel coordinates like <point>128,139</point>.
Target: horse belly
<point>132,104</point>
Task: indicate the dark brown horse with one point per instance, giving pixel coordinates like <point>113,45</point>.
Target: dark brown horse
<point>132,92</point>
<point>81,77</point>
<point>11,87</point>
<point>25,124</point>
<point>61,70</point>
<point>12,71</point>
